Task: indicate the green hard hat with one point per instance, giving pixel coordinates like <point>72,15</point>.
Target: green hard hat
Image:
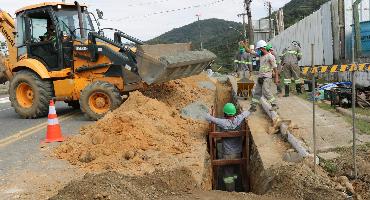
<point>229,109</point>
<point>268,47</point>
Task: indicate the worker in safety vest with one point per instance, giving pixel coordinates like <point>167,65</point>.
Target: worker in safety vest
<point>291,70</point>
<point>263,86</point>
<point>277,58</point>
<point>243,63</point>
<point>231,147</point>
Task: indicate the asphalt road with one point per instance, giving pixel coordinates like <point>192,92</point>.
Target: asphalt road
<point>20,139</point>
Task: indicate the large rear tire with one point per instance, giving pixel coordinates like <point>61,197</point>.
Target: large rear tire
<point>98,98</point>
<point>29,95</point>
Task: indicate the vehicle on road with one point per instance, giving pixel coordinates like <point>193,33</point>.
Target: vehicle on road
<point>55,52</point>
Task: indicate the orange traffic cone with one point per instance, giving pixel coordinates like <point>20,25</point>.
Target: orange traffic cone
<point>53,133</point>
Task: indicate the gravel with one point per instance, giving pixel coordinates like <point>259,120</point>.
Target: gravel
<point>195,111</point>
<point>207,85</point>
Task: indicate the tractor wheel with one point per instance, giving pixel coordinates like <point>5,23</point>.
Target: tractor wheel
<point>75,104</point>
<point>29,95</point>
<point>98,98</point>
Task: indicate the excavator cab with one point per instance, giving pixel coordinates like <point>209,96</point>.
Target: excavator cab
<point>57,54</point>
<point>46,34</point>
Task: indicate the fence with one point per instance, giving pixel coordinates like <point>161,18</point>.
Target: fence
<point>324,28</point>
<point>317,29</point>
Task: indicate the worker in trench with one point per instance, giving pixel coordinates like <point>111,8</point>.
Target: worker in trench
<point>264,83</point>
<point>231,147</point>
<point>290,58</point>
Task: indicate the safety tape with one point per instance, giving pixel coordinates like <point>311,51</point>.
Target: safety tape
<point>294,53</point>
<point>272,100</point>
<point>257,101</point>
<point>230,179</point>
<point>336,68</point>
<point>242,62</point>
<point>287,81</point>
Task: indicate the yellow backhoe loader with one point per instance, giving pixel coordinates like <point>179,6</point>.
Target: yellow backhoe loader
<point>55,52</point>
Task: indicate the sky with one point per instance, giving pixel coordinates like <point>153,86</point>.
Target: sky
<point>142,18</point>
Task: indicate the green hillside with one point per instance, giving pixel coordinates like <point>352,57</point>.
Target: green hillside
<point>296,10</point>
<point>223,41</point>
<point>216,36</point>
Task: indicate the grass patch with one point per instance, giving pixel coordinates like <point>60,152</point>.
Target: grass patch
<point>363,111</point>
<point>361,125</point>
<point>329,166</point>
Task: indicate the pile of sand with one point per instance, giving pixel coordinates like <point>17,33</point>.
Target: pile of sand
<point>112,185</point>
<point>144,134</point>
<point>180,93</point>
<point>300,182</point>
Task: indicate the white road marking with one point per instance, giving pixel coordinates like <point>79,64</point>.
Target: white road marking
<point>4,100</point>
<point>5,109</point>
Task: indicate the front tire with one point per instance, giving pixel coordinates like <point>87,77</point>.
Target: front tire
<point>30,95</point>
<point>98,98</point>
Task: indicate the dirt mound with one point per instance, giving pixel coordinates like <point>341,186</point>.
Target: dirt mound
<point>343,166</point>
<point>171,185</point>
<point>144,134</point>
<point>179,93</point>
<point>300,182</point>
<point>112,185</point>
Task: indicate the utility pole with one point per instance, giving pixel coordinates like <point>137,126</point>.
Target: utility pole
<point>200,32</point>
<point>270,20</point>
<point>247,5</point>
<point>356,22</point>
<point>244,25</point>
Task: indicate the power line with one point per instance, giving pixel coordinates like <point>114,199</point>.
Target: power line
<point>147,3</point>
<point>163,12</point>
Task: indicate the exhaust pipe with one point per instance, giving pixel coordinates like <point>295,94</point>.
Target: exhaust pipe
<point>80,20</point>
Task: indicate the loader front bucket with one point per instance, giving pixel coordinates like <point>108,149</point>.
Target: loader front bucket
<point>164,62</point>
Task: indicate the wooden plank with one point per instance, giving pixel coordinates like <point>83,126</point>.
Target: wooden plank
<point>227,134</point>
<point>228,162</point>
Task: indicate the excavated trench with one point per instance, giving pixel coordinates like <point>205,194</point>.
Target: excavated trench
<point>226,93</point>
<point>141,163</point>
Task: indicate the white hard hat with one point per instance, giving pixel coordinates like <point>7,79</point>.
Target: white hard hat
<point>261,44</point>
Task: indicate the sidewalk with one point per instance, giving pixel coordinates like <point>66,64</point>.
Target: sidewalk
<point>332,130</point>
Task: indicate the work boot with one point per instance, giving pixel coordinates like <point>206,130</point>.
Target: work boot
<point>278,87</point>
<point>253,108</point>
<point>286,91</point>
<point>230,187</point>
<point>274,107</point>
<point>298,87</point>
